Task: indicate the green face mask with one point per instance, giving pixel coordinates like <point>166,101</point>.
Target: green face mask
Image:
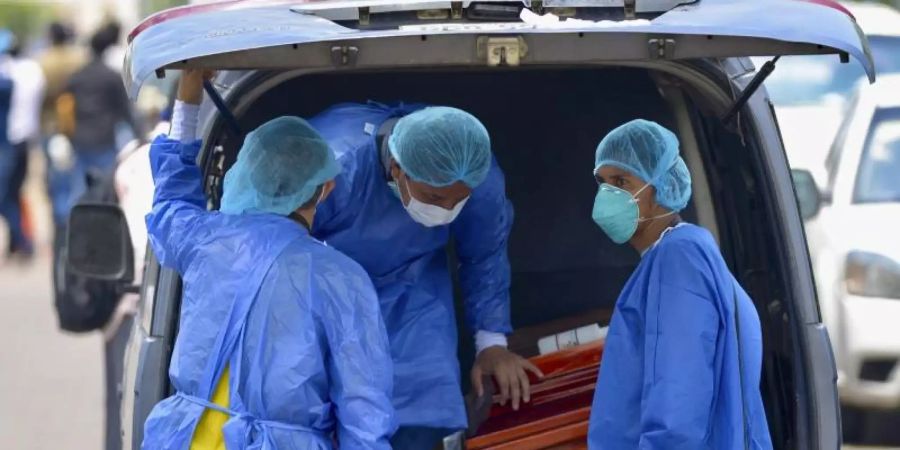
<point>616,212</point>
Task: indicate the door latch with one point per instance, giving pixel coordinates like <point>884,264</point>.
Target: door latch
<point>661,48</point>
<point>502,51</point>
<point>344,55</point>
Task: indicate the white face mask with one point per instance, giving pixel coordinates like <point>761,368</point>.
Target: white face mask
<point>431,215</point>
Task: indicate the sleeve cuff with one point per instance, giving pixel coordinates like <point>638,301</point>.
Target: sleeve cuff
<point>485,339</point>
<point>184,122</point>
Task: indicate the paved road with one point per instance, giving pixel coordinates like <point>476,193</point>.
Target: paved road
<point>51,385</point>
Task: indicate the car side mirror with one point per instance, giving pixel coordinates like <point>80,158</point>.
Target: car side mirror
<point>98,244</point>
<point>809,197</point>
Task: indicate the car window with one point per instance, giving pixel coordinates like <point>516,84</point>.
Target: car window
<point>876,180</point>
<point>799,80</point>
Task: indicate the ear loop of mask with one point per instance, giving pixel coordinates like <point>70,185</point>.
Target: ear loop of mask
<point>636,200</point>
<point>406,188</point>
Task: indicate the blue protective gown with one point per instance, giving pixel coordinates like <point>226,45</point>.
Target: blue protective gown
<point>408,263</point>
<point>296,322</point>
<point>669,375</point>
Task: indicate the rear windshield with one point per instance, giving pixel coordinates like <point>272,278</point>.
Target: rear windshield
<point>799,80</point>
<point>877,180</point>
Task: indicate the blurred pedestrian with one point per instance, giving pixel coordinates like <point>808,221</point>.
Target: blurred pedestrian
<point>23,128</point>
<point>113,57</point>
<point>115,54</point>
<point>92,105</point>
<point>7,157</point>
<point>58,62</point>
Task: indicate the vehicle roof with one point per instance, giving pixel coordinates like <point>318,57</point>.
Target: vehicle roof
<point>875,19</point>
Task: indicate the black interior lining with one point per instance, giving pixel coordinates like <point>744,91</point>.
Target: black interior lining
<point>544,125</point>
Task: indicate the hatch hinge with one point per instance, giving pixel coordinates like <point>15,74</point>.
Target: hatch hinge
<point>630,9</point>
<point>748,91</point>
<point>502,51</point>
<point>661,48</point>
<point>344,55</point>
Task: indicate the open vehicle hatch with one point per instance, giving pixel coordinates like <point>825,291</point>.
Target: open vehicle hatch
<point>278,34</point>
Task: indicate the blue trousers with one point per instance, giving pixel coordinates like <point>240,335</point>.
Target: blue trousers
<point>64,187</point>
<point>101,162</point>
<point>13,168</point>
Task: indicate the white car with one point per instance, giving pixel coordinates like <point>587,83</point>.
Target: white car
<point>855,249</point>
<point>810,93</point>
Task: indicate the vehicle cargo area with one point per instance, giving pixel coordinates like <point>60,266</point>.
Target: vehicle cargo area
<point>545,125</point>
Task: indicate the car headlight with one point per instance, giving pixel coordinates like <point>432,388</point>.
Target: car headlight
<point>872,275</point>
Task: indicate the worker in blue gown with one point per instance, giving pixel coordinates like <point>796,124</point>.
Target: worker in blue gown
<point>681,364</point>
<point>281,343</point>
<point>413,179</point>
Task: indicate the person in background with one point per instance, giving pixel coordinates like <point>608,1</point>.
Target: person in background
<point>92,105</point>
<point>114,57</point>
<point>7,155</point>
<point>115,54</point>
<point>23,131</point>
<point>682,360</point>
<point>58,63</point>
<point>281,342</point>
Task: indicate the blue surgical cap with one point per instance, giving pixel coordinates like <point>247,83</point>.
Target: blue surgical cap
<point>439,146</point>
<point>649,151</point>
<point>278,169</point>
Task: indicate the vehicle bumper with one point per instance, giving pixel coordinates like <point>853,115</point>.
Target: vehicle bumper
<point>869,354</point>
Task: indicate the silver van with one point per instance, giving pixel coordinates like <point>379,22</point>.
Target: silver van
<point>547,87</point>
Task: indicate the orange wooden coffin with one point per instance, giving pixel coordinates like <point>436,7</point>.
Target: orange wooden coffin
<point>557,416</point>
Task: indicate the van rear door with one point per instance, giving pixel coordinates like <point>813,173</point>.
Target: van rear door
<point>278,34</point>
